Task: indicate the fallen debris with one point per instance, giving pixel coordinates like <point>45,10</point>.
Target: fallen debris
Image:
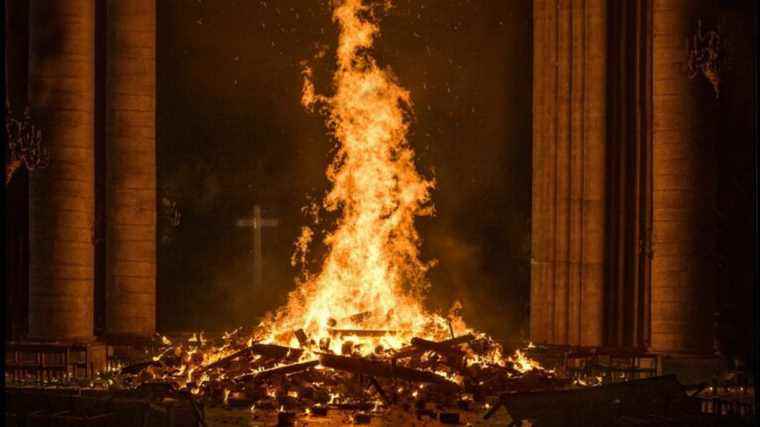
<point>357,372</point>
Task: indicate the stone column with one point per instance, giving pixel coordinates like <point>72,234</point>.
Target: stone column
<point>684,189</point>
<point>131,168</point>
<point>569,131</point>
<point>61,82</point>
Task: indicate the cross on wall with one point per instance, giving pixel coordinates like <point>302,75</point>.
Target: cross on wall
<point>257,222</point>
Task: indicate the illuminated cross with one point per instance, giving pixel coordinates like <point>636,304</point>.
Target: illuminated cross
<point>257,223</point>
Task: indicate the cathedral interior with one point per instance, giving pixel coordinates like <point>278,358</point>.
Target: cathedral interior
<point>384,212</point>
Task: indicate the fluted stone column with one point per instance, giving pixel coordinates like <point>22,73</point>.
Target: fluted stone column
<point>684,192</point>
<point>62,195</point>
<point>568,213</point>
<point>131,168</point>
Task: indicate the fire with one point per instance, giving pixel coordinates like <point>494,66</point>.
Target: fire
<point>522,363</point>
<point>366,299</point>
<point>373,268</point>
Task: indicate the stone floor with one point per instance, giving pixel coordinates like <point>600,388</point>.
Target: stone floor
<point>219,417</point>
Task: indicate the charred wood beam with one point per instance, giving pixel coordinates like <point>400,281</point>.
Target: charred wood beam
<point>379,389</point>
<point>225,361</point>
<point>303,340</point>
<point>440,348</point>
<point>275,351</point>
<point>385,370</point>
<point>281,370</point>
<point>532,382</point>
<point>420,346</point>
<point>270,351</point>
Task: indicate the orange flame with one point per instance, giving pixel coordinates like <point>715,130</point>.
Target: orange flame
<point>373,266</point>
<point>372,281</point>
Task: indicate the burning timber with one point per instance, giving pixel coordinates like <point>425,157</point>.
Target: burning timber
<point>236,371</point>
<point>462,378</point>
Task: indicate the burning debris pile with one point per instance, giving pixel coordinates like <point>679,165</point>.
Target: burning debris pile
<point>467,372</point>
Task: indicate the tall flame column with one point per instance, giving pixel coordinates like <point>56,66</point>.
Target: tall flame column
<point>61,69</point>
<point>131,168</point>
<point>569,131</point>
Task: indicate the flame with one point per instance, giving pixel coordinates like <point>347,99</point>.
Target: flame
<point>367,296</point>
<point>373,266</point>
<point>522,363</point>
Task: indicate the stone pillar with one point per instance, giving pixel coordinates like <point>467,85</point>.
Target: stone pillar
<point>569,131</point>
<point>61,83</point>
<point>131,168</point>
<point>684,189</point>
